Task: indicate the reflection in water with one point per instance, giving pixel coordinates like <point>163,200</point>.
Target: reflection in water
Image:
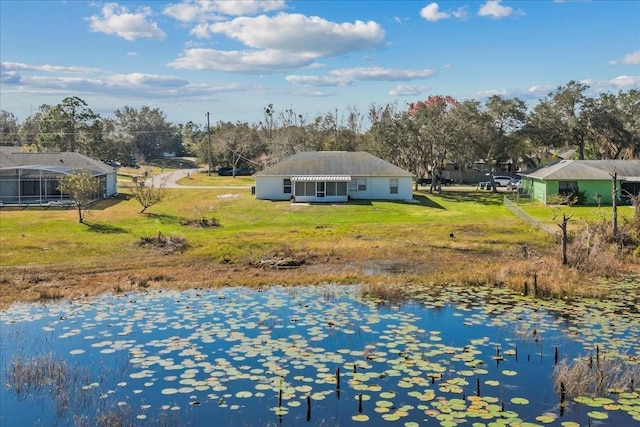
<point>315,355</point>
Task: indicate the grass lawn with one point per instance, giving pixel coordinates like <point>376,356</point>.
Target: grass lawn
<point>203,178</point>
<point>462,235</point>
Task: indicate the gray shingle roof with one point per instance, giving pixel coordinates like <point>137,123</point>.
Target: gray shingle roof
<point>13,158</point>
<point>586,170</point>
<point>358,163</point>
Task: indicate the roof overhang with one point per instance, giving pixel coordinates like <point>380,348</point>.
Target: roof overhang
<point>63,170</point>
<point>324,178</point>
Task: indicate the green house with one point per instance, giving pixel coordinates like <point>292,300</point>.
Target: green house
<point>593,178</point>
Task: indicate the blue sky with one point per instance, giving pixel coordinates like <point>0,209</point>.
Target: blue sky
<point>233,58</point>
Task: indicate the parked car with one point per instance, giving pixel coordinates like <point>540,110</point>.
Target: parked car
<point>502,180</point>
<point>427,181</point>
<point>514,185</point>
<point>235,172</point>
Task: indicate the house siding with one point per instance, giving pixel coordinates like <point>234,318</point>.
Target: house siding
<point>334,166</point>
<point>378,188</point>
<point>593,178</point>
<point>271,188</point>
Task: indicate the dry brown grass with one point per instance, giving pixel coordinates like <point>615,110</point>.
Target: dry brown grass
<point>346,262</point>
<point>596,375</point>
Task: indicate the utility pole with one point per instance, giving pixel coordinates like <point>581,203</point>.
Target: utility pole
<point>614,202</point>
<point>208,146</point>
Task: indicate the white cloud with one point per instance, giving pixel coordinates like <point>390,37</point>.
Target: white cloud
<point>201,11</point>
<point>40,81</point>
<point>629,59</point>
<point>17,66</point>
<point>431,12</point>
<point>348,76</point>
<point>316,80</point>
<point>625,81</point>
<point>494,9</point>
<point>407,90</point>
<point>299,33</point>
<point>460,13</point>
<point>379,73</point>
<point>117,20</point>
<point>280,43</point>
<point>240,61</point>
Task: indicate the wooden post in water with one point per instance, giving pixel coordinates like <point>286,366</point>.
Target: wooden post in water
<point>535,284</point>
<point>359,403</point>
<point>555,356</point>
<point>477,386</point>
<point>308,407</point>
<point>338,382</point>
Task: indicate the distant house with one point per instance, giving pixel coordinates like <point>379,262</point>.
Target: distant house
<point>32,178</point>
<point>333,176</point>
<point>591,177</point>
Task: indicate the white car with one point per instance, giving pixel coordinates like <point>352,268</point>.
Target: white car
<point>502,181</point>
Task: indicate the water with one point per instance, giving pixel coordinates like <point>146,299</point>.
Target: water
<point>242,357</point>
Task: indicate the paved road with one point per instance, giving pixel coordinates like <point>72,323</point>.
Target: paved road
<point>171,179</point>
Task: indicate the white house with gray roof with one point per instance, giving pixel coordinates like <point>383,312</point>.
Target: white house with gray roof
<point>333,176</point>
<point>32,178</point>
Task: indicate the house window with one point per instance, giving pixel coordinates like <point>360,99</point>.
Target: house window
<point>309,188</point>
<point>393,188</point>
<point>331,188</point>
<point>319,189</point>
<point>362,185</point>
<point>341,188</point>
<point>287,186</point>
<point>566,188</point>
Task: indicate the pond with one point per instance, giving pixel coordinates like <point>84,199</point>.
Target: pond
<point>322,356</point>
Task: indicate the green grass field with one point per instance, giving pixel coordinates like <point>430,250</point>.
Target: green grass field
<point>462,234</point>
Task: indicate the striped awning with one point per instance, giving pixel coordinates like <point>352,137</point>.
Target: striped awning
<point>321,178</point>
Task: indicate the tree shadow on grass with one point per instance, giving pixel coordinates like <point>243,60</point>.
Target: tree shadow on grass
<point>167,219</point>
<point>103,204</point>
<point>472,195</point>
<point>105,228</point>
<point>426,202</point>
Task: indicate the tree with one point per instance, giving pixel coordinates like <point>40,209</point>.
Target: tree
<point>612,121</point>
<point>235,144</point>
<point>394,137</point>
<point>433,136</point>
<point>8,128</point>
<point>30,128</point>
<point>470,132</point>
<point>507,117</point>
<point>149,132</point>
<point>559,120</point>
<point>82,188</point>
<point>71,126</point>
<point>147,193</point>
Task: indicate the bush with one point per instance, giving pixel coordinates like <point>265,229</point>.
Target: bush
<point>165,244</point>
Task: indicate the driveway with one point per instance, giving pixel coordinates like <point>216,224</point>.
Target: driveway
<point>171,179</point>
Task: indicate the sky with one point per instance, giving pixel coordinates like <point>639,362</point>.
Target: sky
<point>233,58</point>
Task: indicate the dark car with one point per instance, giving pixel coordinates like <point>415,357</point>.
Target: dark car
<point>427,181</point>
<point>235,172</point>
